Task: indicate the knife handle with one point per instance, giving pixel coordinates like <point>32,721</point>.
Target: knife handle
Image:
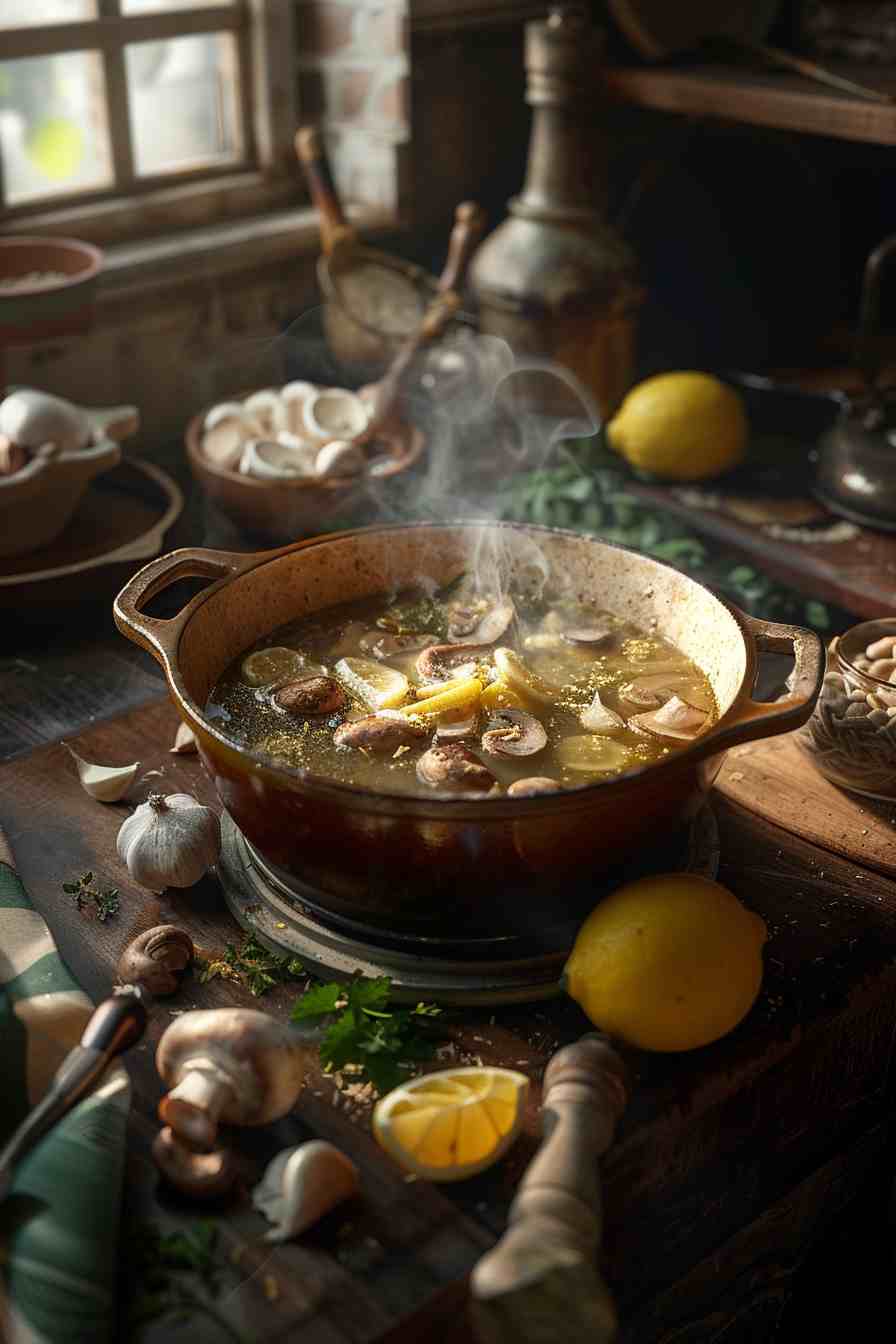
<point>540,1282</point>
<point>117,1023</point>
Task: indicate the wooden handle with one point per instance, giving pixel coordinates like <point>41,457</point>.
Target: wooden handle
<point>540,1282</point>
<point>434,321</point>
<point>334,227</point>
<point>117,1023</point>
<point>469,225</point>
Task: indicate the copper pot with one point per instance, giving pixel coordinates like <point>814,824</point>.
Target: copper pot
<point>491,867</point>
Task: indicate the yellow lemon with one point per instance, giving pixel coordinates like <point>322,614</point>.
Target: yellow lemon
<point>449,1125</point>
<point>667,963</point>
<point>266,666</point>
<point>681,426</point>
<point>378,686</point>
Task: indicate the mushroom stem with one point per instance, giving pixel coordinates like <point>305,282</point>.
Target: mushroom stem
<point>193,1107</point>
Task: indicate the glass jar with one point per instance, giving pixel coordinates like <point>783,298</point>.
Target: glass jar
<point>851,736</point>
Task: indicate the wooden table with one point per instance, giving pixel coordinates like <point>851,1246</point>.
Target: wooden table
<point>747,1189</point>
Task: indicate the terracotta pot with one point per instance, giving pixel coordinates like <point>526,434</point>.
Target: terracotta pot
<point>45,311</point>
<point>489,867</point>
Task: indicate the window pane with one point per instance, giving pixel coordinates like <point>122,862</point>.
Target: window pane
<point>184,100</point>
<point>153,6</point>
<point>53,129</point>
<point>25,13</point>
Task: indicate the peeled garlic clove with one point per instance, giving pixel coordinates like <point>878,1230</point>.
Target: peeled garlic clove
<point>29,418</point>
<point>302,1184</point>
<point>339,458</point>
<point>334,414</point>
<point>267,411</point>
<point>184,741</point>
<point>294,395</point>
<point>597,718</point>
<point>271,461</point>
<point>106,783</point>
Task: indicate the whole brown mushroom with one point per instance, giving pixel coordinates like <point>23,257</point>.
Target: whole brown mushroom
<point>379,734</point>
<point>310,697</point>
<point>154,958</point>
<point>227,1064</point>
<point>452,766</point>
<point>198,1175</point>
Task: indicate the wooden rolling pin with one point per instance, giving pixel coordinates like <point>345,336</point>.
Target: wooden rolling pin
<point>541,1282</point>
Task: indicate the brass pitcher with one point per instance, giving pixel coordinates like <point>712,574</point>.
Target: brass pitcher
<point>555,280</point>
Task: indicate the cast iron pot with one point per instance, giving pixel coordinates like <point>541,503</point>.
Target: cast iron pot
<point>431,866</point>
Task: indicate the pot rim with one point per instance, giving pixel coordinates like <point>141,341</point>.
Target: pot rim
<point>743,720</point>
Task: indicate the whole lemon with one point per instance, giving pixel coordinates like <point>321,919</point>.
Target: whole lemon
<point>667,963</point>
<point>681,426</point>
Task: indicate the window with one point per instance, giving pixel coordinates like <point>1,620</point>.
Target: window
<point>107,99</point>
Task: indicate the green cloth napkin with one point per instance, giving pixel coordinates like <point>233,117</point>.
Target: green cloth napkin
<point>59,1223</point>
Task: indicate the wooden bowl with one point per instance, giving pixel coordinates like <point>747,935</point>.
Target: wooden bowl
<point>281,511</point>
<point>40,311</point>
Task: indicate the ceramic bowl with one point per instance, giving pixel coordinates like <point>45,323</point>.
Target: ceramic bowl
<point>38,502</point>
<point>494,866</point>
<point>46,310</point>
<point>281,510</point>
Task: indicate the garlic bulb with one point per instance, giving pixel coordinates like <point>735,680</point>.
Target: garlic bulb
<point>106,783</point>
<point>302,1184</point>
<point>169,842</point>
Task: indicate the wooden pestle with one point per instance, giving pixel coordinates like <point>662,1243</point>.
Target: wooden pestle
<point>541,1282</point>
<point>338,238</point>
<point>469,223</point>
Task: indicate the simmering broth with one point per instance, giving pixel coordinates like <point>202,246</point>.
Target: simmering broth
<point>457,694</point>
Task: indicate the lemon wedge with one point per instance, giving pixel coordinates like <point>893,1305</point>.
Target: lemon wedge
<point>269,665</point>
<point>449,1125</point>
<point>379,686</point>
<point>498,695</point>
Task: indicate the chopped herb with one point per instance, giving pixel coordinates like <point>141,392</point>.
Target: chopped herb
<point>177,1276</point>
<point>252,965</point>
<point>385,1043</point>
<point>83,891</point>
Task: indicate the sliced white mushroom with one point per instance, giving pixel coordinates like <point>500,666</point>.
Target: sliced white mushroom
<point>594,635</point>
<point>293,396</point>
<point>456,723</point>
<point>675,719</point>
<point>493,624</point>
<point>530,788</point>
<point>267,410</point>
<point>514,732</point>
<point>339,457</point>
<point>268,460</point>
<point>226,429</point>
<point>334,413</point>
<point>597,718</point>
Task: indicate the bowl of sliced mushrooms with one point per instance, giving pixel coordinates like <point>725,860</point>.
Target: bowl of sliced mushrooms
<point>281,462</point>
<point>851,736</point>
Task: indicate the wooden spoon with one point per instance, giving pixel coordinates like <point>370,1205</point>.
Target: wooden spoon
<point>541,1282</point>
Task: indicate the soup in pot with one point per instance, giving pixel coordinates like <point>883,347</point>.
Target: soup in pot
<point>453,693</point>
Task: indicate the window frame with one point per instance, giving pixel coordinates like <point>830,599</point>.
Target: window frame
<point>263,177</point>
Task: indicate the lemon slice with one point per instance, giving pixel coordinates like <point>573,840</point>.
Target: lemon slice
<point>449,1125</point>
<point>269,665</point>
<point>523,680</point>
<point>379,686</point>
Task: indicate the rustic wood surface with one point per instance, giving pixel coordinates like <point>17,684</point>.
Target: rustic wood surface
<point>722,1153</point>
<point>777,780</point>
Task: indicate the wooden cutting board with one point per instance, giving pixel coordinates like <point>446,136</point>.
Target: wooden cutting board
<point>776,779</point>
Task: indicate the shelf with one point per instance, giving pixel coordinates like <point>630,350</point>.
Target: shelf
<point>785,101</point>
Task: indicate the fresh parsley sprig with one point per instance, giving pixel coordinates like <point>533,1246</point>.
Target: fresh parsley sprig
<point>251,965</point>
<point>84,892</point>
<point>384,1043</point>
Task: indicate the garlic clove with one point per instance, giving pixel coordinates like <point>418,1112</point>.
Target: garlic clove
<point>106,783</point>
<point>597,718</point>
<point>302,1184</point>
<point>30,417</point>
<point>169,841</point>
<point>184,741</point>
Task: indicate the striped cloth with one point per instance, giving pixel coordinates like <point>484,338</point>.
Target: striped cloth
<point>59,1223</point>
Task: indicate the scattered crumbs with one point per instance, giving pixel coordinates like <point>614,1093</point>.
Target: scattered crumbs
<point>522,1063</point>
<point>271,1288</point>
<point>176,1012</point>
<point>835,532</point>
<point>400,751</point>
<point>864,830</point>
<point>409,1178</point>
<point>280,924</point>
<point>736,775</point>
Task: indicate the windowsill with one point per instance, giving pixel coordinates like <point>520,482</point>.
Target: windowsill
<point>219,249</point>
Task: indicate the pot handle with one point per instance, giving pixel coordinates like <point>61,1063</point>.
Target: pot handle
<point>160,635</point>
<point>756,718</point>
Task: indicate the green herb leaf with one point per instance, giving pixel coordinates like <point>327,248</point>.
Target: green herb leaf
<point>817,614</point>
<point>317,1002</point>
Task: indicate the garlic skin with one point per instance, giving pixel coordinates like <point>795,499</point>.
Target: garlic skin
<point>169,842</point>
<point>105,783</point>
<point>184,741</point>
<point>302,1184</point>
